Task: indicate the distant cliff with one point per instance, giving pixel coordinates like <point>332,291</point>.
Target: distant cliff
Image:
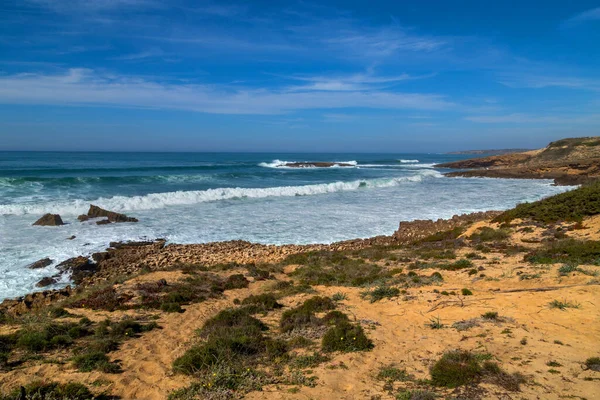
<point>567,161</point>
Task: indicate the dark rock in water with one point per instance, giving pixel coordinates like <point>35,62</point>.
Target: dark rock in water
<point>96,212</point>
<point>318,164</point>
<point>71,237</point>
<point>103,222</point>
<point>44,262</point>
<point>83,218</point>
<point>120,245</point>
<point>78,267</point>
<point>49,220</point>
<point>101,256</point>
<point>47,281</point>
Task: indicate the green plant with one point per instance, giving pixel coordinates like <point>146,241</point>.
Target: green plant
<point>563,305</point>
<point>435,323</point>
<point>95,360</point>
<point>553,364</point>
<point>490,315</point>
<point>570,206</point>
<point>593,363</point>
<point>466,292</point>
<point>339,296</point>
<point>455,368</point>
<point>50,391</point>
<point>309,360</point>
<point>345,337</point>
<point>487,234</point>
<point>262,302</point>
<point>392,374</point>
<point>381,292</point>
<point>416,395</point>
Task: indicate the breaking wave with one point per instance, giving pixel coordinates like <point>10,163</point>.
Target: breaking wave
<point>284,164</point>
<point>161,200</point>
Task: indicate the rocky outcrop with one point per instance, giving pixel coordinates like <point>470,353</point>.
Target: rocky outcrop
<point>33,301</point>
<point>317,164</point>
<point>78,268</point>
<point>567,162</point>
<point>96,212</point>
<point>49,220</point>
<point>47,281</point>
<point>111,216</point>
<point>419,229</point>
<point>43,263</point>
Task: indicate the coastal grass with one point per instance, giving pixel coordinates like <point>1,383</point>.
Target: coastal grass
<point>381,292</point>
<point>461,367</point>
<point>487,234</point>
<point>568,251</point>
<point>52,391</point>
<point>570,206</point>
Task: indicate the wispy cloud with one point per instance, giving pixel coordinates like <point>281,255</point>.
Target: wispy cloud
<point>518,118</point>
<point>356,82</point>
<point>86,87</point>
<point>585,16</point>
<point>541,81</point>
<point>150,53</point>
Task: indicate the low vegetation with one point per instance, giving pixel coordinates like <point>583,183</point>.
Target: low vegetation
<point>52,391</point>
<point>569,251</point>
<point>569,206</point>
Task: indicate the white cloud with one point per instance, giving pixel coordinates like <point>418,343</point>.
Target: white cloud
<point>518,118</point>
<point>586,16</point>
<point>86,87</point>
<point>541,81</point>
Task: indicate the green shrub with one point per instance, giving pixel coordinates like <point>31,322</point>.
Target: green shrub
<point>381,292</point>
<point>569,251</point>
<point>392,374</point>
<point>237,281</point>
<point>416,395</point>
<point>345,337</point>
<point>444,235</point>
<point>51,391</point>
<point>309,361</point>
<point>490,315</point>
<point>95,360</point>
<point>304,315</point>
<point>570,206</point>
<point>455,368</point>
<point>466,292</point>
<point>487,234</point>
<point>593,364</point>
<point>171,308</point>
<point>563,305</point>
<point>262,302</point>
<point>335,317</point>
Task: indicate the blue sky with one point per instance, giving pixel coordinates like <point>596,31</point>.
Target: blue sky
<point>296,76</point>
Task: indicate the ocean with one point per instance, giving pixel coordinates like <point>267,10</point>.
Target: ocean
<point>205,197</point>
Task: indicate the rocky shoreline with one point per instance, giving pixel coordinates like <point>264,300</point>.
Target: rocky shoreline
<point>567,162</point>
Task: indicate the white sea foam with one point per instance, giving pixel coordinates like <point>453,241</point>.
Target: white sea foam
<point>159,200</point>
<point>284,164</point>
<point>408,161</point>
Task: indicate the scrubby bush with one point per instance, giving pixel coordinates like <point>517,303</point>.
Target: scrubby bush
<point>466,292</point>
<point>381,292</point>
<point>262,302</point>
<point>95,361</point>
<point>455,368</point>
<point>570,206</point>
<point>568,251</point>
<point>593,364</point>
<point>51,391</point>
<point>345,337</point>
<point>304,315</point>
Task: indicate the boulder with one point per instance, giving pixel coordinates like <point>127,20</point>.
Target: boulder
<point>49,220</point>
<point>44,262</point>
<point>83,218</point>
<point>47,281</point>
<point>101,256</point>
<point>103,222</point>
<point>33,301</point>
<point>96,212</point>
<point>79,268</point>
<point>71,237</point>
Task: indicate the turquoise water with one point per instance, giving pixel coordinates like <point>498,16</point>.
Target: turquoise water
<point>202,197</point>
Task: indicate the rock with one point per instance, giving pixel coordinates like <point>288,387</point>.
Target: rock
<point>71,237</point>
<point>33,301</point>
<point>78,267</point>
<point>103,222</point>
<point>96,212</point>
<point>49,220</point>
<point>101,256</point>
<point>47,281</point>
<point>44,262</point>
<point>83,218</point>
